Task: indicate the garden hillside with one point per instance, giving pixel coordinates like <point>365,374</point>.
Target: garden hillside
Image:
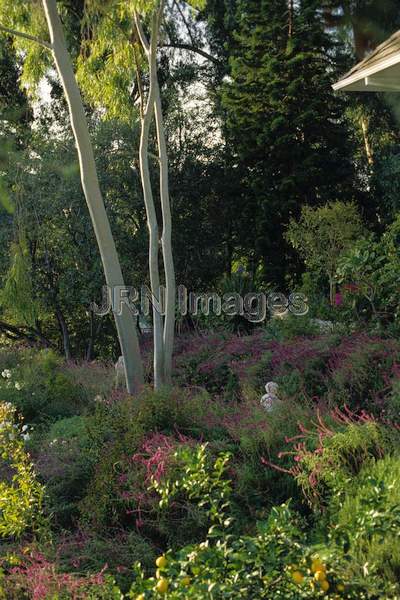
<point>200,491</point>
<point>199,299</point>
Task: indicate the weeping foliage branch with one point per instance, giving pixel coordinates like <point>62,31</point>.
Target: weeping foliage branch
<point>17,296</point>
<point>23,21</point>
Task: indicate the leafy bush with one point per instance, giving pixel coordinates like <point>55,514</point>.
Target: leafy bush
<point>371,270</point>
<point>117,433</point>
<point>278,561</point>
<point>9,358</point>
<point>327,456</point>
<point>367,521</point>
<point>21,495</point>
<point>322,234</point>
<point>65,464</point>
<point>95,378</point>
<point>291,327</point>
<point>132,434</point>
<point>361,371</point>
<point>41,389</point>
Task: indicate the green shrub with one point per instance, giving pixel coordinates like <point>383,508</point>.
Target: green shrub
<point>95,378</point>
<point>291,327</point>
<point>277,562</point>
<point>9,357</point>
<point>329,456</point>
<point>41,389</point>
<point>21,495</point>
<point>367,523</point>
<point>65,463</point>
<point>359,372</point>
<point>117,432</point>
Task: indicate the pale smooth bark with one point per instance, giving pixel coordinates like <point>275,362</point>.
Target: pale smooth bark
<point>26,36</point>
<point>166,241</point>
<point>125,322</point>
<point>147,117</point>
<point>368,148</point>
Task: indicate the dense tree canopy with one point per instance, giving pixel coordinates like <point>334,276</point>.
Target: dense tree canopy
<point>253,129</point>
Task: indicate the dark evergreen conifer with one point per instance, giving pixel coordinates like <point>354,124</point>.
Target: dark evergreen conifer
<point>284,119</point>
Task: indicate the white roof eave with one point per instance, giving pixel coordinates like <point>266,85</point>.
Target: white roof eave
<point>372,78</point>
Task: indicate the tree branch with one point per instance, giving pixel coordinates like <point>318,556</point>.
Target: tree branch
<point>176,3</point>
<point>190,48</point>
<point>142,36</point>
<point>138,72</point>
<point>26,36</point>
<point>13,332</point>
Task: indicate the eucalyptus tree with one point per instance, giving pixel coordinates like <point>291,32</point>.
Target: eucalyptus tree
<point>118,71</point>
<point>25,22</point>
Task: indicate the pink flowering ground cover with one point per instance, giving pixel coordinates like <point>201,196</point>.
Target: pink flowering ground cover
<point>98,465</point>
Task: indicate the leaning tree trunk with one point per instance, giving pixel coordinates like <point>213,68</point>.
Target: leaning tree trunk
<point>125,323</point>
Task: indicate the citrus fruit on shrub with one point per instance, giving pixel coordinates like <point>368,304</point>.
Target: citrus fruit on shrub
<point>325,585</point>
<point>317,565</point>
<point>298,577</point>
<point>161,562</point>
<point>162,586</point>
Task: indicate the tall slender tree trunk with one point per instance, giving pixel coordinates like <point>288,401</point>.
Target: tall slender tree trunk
<point>64,334</point>
<point>168,259</point>
<point>147,117</point>
<point>367,144</point>
<point>290,18</point>
<point>154,107</point>
<point>125,322</point>
<point>361,46</point>
<point>332,290</point>
<point>93,332</point>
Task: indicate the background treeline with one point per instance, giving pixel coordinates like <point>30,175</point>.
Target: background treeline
<point>255,133</point>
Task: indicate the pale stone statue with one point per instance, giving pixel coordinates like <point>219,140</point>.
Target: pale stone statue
<point>119,373</point>
<point>270,399</point>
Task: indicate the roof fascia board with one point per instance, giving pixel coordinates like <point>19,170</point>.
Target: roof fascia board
<point>367,72</point>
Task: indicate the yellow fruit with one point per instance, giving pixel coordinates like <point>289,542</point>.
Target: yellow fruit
<point>161,562</point>
<point>320,576</point>
<point>158,574</point>
<point>162,586</point>
<point>325,585</point>
<point>340,587</point>
<point>186,581</point>
<point>298,577</point>
<point>140,597</point>
<point>317,565</point>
